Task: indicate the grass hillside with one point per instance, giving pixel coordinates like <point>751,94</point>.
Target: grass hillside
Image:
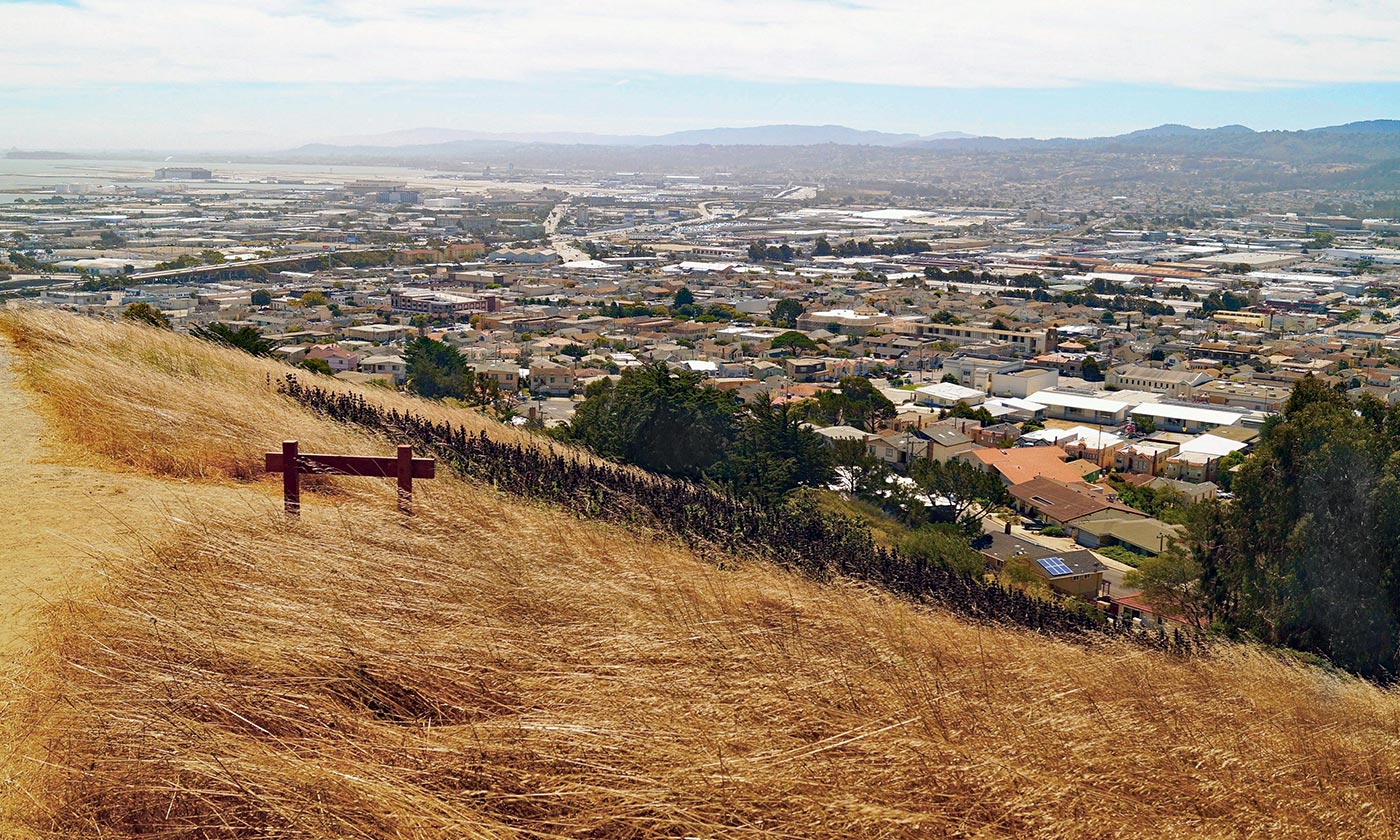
<point>490,668</point>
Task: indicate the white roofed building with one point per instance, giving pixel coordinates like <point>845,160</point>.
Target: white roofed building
<point>947,395</point>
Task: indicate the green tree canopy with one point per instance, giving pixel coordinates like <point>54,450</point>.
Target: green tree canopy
<point>1091,370</point>
<point>110,239</point>
<point>660,420</point>
<point>774,452</point>
<point>437,370</point>
<point>965,490</point>
<point>672,422</point>
<point>320,366</point>
<point>1308,553</point>
<point>146,314</point>
<point>247,339</point>
<point>795,341</point>
<point>786,312</point>
<point>854,402</point>
<point>863,475</point>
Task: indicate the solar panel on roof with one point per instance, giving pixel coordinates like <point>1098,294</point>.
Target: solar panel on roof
<point>1054,566</point>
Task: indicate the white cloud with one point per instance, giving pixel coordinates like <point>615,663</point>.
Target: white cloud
<point>1237,44</point>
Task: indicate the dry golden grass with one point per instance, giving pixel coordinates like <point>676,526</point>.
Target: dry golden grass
<point>491,669</point>
<point>164,404</point>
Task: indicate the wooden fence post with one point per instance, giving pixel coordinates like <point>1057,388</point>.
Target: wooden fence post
<point>405,471</point>
<point>291,479</point>
<point>291,462</point>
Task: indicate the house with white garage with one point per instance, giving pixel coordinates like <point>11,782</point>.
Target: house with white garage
<point>947,395</point>
<point>1191,419</point>
<point>1081,408</point>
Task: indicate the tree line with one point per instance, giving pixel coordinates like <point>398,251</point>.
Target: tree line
<point>793,531</point>
<point>669,422</point>
<point>1307,554</point>
<point>868,248</point>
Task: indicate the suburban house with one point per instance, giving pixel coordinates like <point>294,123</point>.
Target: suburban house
<point>1076,573</point>
<point>390,366</point>
<point>1094,445</point>
<point>1192,466</point>
<point>946,443</point>
<point>1135,610</point>
<point>506,376</point>
<point>1061,503</point>
<point>1144,457</point>
<point>835,433</point>
<point>1190,492</point>
<point>337,357</point>
<point>551,380</point>
<point>1198,460</point>
<point>1173,383</point>
<point>380,333</point>
<point>804,370</point>
<point>898,449</point>
<point>947,395</point>
<point>1022,464</point>
<point>1136,532</point>
<point>997,434</point>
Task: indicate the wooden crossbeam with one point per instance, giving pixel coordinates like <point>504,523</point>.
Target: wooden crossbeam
<point>293,464</point>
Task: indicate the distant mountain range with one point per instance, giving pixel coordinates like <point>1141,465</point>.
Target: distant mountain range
<point>760,135</point>
<point>1369,142</point>
<point>814,135</point>
<point>1354,156</point>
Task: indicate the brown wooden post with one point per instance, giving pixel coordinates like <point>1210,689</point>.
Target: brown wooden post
<point>291,479</point>
<point>405,471</point>
<point>403,467</point>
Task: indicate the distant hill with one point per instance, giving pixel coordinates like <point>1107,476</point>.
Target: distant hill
<point>758,135</point>
<point>1178,130</point>
<point>785,135</point>
<point>1364,127</point>
<point>1367,142</point>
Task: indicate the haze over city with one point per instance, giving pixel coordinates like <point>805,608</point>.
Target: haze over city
<point>114,74</point>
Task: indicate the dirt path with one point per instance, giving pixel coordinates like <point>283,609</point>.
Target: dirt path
<point>56,515</point>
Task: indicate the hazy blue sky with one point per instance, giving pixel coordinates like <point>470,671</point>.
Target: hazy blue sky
<point>259,73</point>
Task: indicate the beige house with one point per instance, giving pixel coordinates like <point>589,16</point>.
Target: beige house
<point>506,376</point>
<point>1173,383</point>
<point>389,366</point>
<point>551,380</point>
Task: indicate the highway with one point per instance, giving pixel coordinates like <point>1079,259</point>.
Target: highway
<point>563,244</point>
<point>268,263</point>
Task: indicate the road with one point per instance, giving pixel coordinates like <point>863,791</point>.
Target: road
<point>561,244</point>
<point>62,511</point>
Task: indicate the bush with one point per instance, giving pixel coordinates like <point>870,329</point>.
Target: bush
<point>1121,554</point>
<point>944,545</point>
